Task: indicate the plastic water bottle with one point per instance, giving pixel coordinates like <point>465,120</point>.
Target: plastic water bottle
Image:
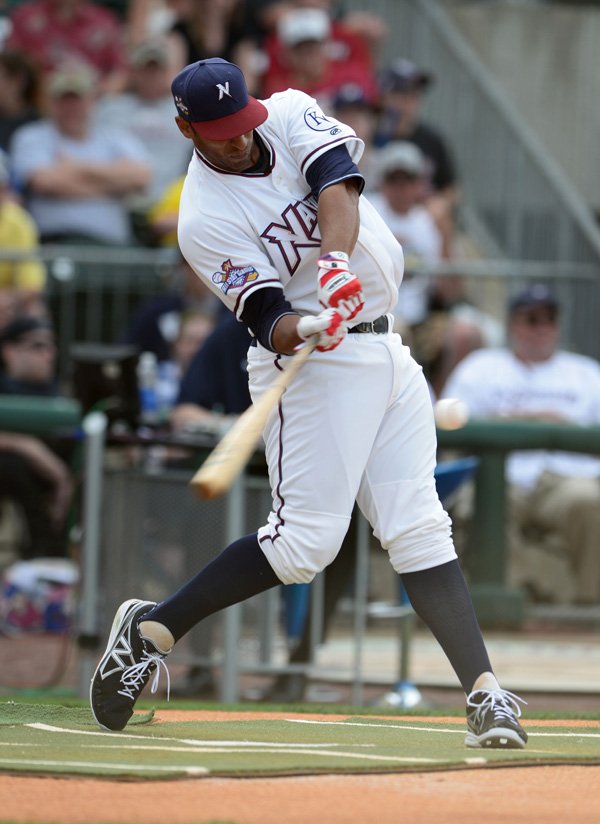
<point>167,388</point>
<point>147,375</point>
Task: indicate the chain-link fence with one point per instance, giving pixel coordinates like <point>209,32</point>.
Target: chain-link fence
<point>156,535</point>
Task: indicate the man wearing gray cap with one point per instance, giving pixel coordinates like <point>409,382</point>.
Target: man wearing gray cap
<point>145,110</point>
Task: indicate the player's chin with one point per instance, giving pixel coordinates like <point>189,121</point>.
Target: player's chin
<point>239,163</point>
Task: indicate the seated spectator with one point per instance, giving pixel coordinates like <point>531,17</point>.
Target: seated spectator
<point>195,326</point>
<point>440,325</point>
<point>352,106</point>
<point>163,215</point>
<point>215,386</point>
<point>20,94</point>
<point>454,328</point>
<point>53,31</point>
<point>146,111</point>
<point>402,175</point>
<point>156,323</point>
<point>403,87</point>
<point>205,28</point>
<point>148,18</point>
<point>75,174</point>
<point>301,56</point>
<point>8,307</point>
<point>371,28</point>
<point>23,277</point>
<point>554,496</point>
<point>33,473</point>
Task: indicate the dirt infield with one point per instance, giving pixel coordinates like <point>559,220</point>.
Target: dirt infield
<point>548,794</point>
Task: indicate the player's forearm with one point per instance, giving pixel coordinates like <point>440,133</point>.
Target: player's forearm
<point>338,217</point>
<point>285,338</point>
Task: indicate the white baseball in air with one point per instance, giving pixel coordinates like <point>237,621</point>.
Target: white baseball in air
<point>450,413</point>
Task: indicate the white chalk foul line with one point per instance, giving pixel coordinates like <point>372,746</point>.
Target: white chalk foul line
<point>103,765</point>
<point>373,726</point>
<point>401,726</point>
<point>191,741</point>
<point>238,747</point>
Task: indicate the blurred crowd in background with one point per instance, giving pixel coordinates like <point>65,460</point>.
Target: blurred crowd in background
<point>90,155</point>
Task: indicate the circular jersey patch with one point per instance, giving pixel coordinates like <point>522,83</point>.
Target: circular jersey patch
<point>316,120</point>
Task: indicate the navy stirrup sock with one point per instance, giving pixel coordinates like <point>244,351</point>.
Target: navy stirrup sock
<point>441,598</point>
<point>238,573</point>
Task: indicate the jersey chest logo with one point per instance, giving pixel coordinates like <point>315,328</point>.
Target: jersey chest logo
<point>233,277</point>
<point>297,230</point>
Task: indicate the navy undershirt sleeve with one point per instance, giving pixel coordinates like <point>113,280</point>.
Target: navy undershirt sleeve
<point>262,310</point>
<point>332,167</point>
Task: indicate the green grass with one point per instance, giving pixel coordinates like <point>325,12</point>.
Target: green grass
<point>70,700</point>
<point>52,739</point>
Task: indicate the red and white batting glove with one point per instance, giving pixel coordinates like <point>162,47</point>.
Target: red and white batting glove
<point>338,287</point>
<point>328,325</point>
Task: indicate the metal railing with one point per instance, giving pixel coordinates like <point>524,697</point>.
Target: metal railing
<point>92,291</point>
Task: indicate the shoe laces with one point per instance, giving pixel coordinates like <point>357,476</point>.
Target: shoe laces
<point>502,703</point>
<point>134,677</point>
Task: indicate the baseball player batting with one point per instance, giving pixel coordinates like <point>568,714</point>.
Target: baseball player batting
<point>272,218</point>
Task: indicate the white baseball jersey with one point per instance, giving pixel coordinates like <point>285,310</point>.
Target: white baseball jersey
<point>494,382</point>
<point>325,447</point>
<point>222,214</point>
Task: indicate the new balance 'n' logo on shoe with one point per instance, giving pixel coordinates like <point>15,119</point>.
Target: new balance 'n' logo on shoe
<point>125,668</point>
<point>492,720</point>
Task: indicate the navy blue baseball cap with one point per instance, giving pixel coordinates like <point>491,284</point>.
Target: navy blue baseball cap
<point>213,97</point>
<point>537,294</point>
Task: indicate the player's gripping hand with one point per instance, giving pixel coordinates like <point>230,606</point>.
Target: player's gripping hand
<point>328,325</point>
<point>338,287</point>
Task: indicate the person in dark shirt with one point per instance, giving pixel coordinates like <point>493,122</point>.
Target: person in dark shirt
<point>155,324</point>
<point>403,87</point>
<point>32,473</point>
<point>215,386</point>
<point>20,93</point>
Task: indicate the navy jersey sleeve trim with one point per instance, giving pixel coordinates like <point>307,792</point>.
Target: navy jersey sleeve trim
<point>330,168</point>
<point>250,288</point>
<point>262,310</point>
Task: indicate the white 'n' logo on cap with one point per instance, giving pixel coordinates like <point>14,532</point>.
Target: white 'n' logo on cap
<point>223,89</point>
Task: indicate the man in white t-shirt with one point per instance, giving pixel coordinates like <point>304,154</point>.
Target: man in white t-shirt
<point>399,201</point>
<point>433,313</point>
<point>76,175</point>
<point>555,496</point>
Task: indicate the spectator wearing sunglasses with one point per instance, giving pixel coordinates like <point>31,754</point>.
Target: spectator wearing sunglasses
<point>34,473</point>
<point>554,497</point>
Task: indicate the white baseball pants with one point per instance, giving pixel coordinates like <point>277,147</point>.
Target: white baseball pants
<point>356,424</point>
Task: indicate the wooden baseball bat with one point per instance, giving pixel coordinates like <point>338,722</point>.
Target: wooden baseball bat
<point>233,451</point>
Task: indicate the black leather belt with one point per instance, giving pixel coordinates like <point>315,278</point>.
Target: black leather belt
<point>379,326</point>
